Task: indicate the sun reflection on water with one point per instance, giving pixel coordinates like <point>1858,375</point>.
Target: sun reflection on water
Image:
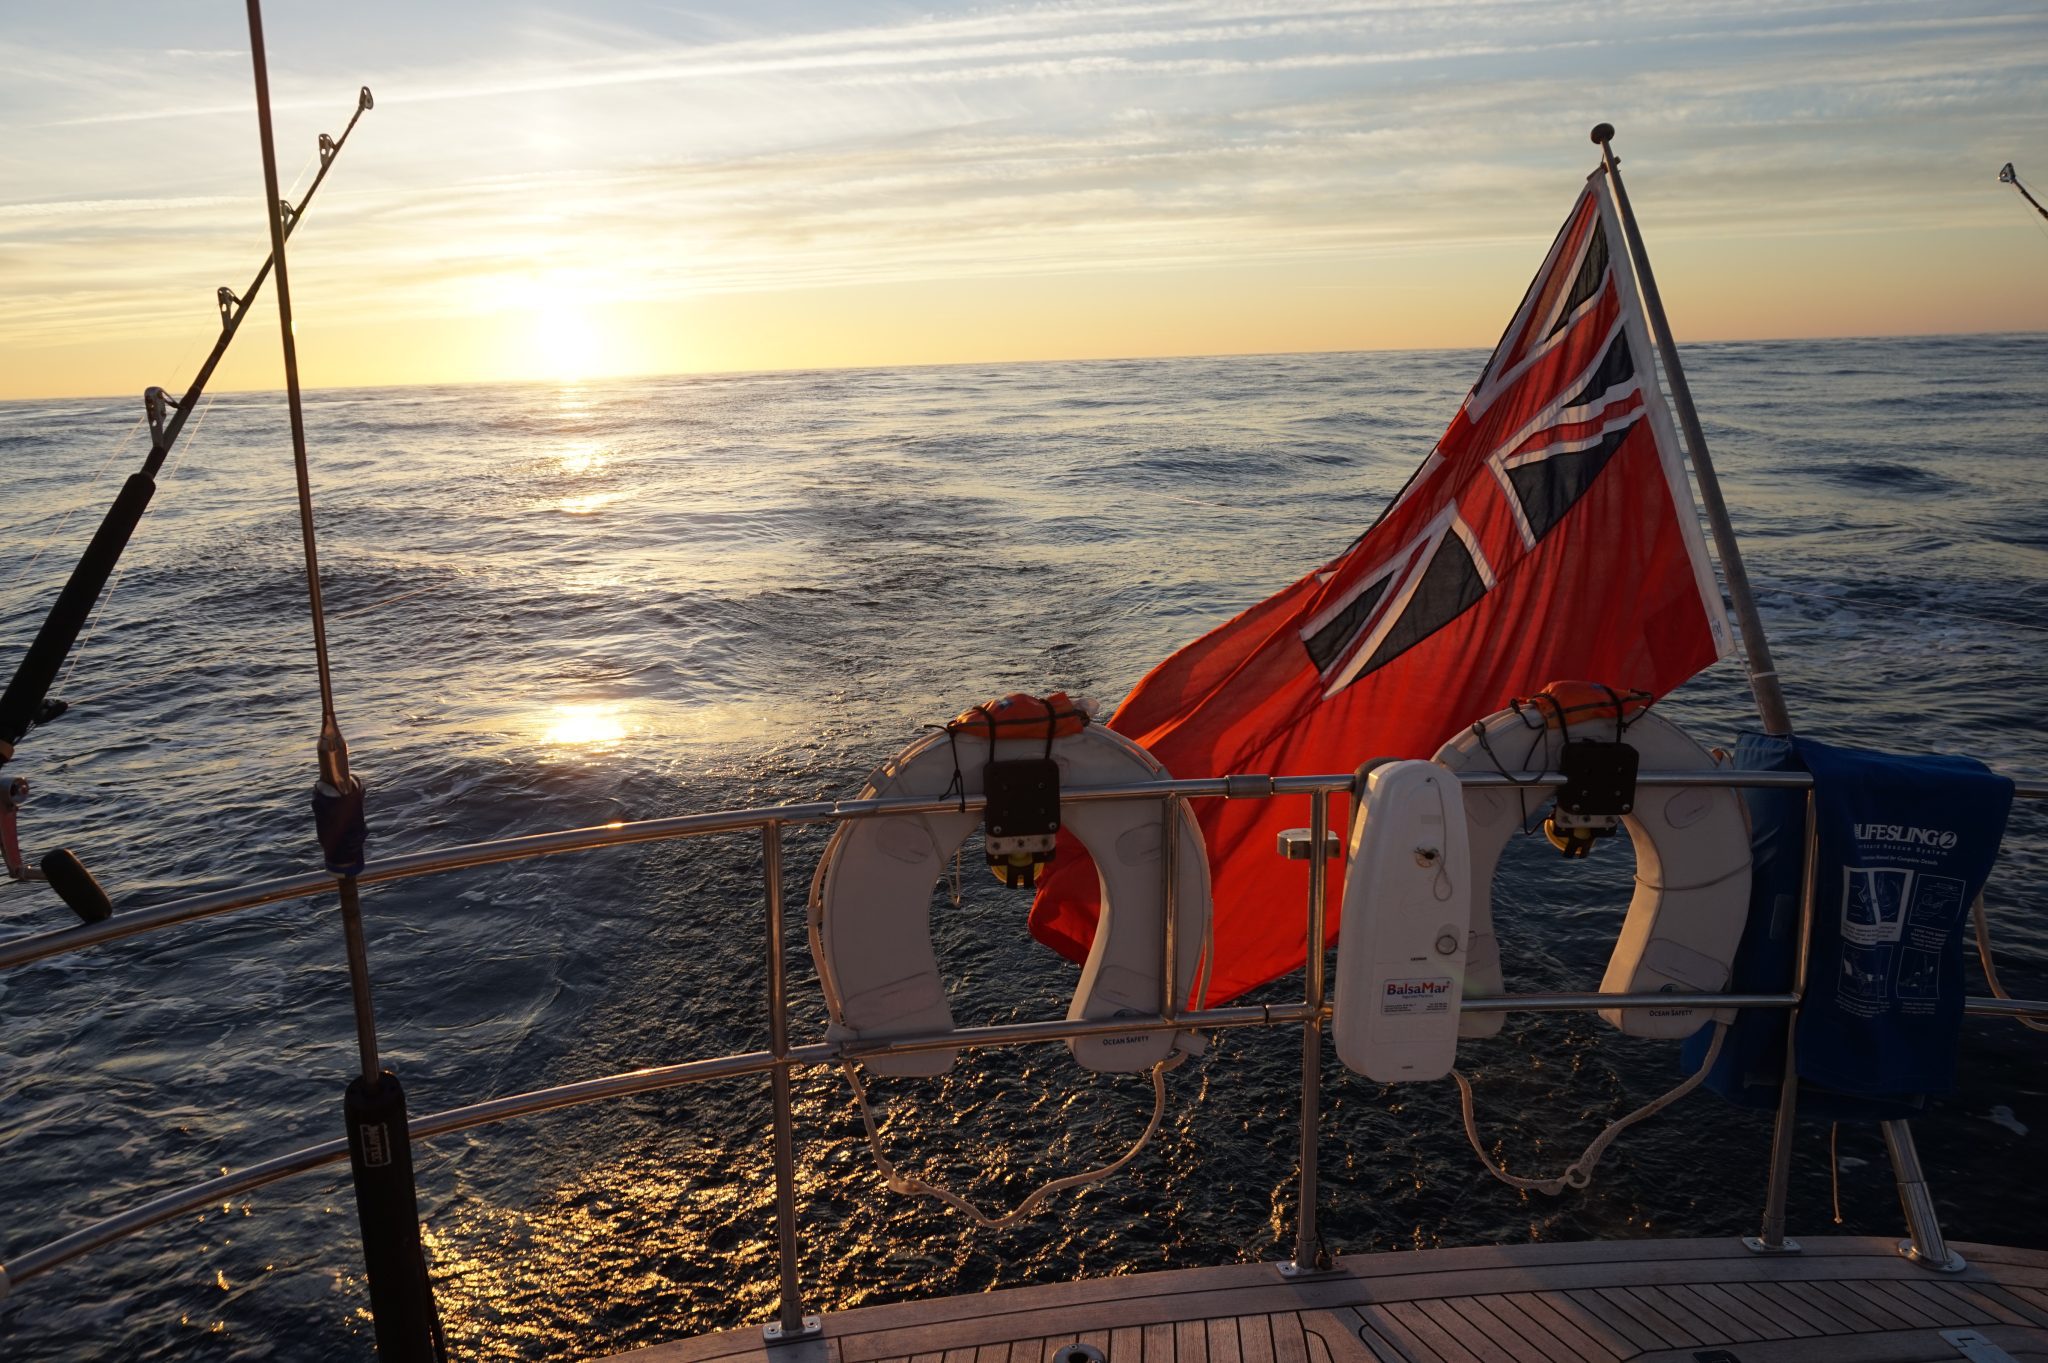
<point>584,456</point>
<point>588,502</point>
<point>588,724</point>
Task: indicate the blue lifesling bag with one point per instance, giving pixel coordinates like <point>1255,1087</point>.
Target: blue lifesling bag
<point>1905,846</point>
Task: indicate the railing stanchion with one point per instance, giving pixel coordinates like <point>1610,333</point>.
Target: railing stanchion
<point>791,1322</point>
<point>1169,922</point>
<point>1309,1254</point>
<point>1771,1240</point>
<point>1925,1245</point>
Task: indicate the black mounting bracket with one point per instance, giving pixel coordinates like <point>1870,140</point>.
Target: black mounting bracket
<point>1599,782</point>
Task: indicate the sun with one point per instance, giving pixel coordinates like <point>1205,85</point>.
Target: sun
<point>565,342</point>
<point>565,336</point>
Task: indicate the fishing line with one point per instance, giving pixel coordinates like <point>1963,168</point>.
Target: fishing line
<point>304,166</point>
<point>84,497</point>
<point>255,644</point>
<point>198,424</point>
<point>91,626</point>
<point>106,598</point>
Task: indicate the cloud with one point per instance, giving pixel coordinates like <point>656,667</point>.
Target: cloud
<point>1039,139</point>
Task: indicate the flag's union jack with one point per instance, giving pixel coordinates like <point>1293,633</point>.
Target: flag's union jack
<point>1559,397</point>
<point>1550,535</point>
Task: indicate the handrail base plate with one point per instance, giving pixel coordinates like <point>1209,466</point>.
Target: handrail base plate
<point>1756,1244</point>
<point>812,1327</point>
<point>1955,1263</point>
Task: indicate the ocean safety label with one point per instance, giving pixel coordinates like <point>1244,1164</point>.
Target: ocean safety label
<point>376,1144</point>
<point>1429,994</point>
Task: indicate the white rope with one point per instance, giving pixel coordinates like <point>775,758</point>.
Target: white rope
<point>911,1185</point>
<point>1579,1172</point>
<point>1991,970</point>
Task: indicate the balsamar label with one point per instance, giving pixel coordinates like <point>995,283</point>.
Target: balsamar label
<point>1430,994</point>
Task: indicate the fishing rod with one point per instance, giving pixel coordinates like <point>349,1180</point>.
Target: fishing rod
<point>26,703</point>
<point>2008,176</point>
<point>405,1319</point>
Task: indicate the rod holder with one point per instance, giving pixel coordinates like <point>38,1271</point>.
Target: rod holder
<point>408,1327</point>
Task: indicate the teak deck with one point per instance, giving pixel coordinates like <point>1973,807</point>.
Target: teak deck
<point>1700,1301</point>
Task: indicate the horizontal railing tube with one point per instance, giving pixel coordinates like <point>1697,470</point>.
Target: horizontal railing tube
<point>1586,1003</point>
<point>2006,1008</point>
<point>158,1210</point>
<point>172,1205</point>
<point>129,923</point>
<point>168,1207</point>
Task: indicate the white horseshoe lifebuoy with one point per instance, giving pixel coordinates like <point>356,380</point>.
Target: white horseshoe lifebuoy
<point>1692,865</point>
<point>871,900</point>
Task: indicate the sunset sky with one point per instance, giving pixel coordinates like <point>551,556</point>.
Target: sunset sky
<point>610,188</point>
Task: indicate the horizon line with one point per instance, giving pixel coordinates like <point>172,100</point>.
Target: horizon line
<point>984,363</point>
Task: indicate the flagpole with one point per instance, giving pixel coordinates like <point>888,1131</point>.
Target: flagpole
<point>1763,673</point>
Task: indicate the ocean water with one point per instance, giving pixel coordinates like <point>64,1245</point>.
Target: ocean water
<point>557,606</point>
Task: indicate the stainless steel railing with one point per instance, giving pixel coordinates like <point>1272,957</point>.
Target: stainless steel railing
<point>782,1057</point>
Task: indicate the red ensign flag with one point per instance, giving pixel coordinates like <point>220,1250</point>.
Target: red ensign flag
<point>1551,534</point>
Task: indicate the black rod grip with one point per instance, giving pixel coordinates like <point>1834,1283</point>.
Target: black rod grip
<point>380,1155</point>
<point>76,886</point>
<point>53,642</point>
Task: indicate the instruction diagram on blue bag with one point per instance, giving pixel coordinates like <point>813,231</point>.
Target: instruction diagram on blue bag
<point>1937,908</point>
<point>1895,924</point>
<point>1874,904</point>
<point>1919,974</point>
<point>1866,975</point>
